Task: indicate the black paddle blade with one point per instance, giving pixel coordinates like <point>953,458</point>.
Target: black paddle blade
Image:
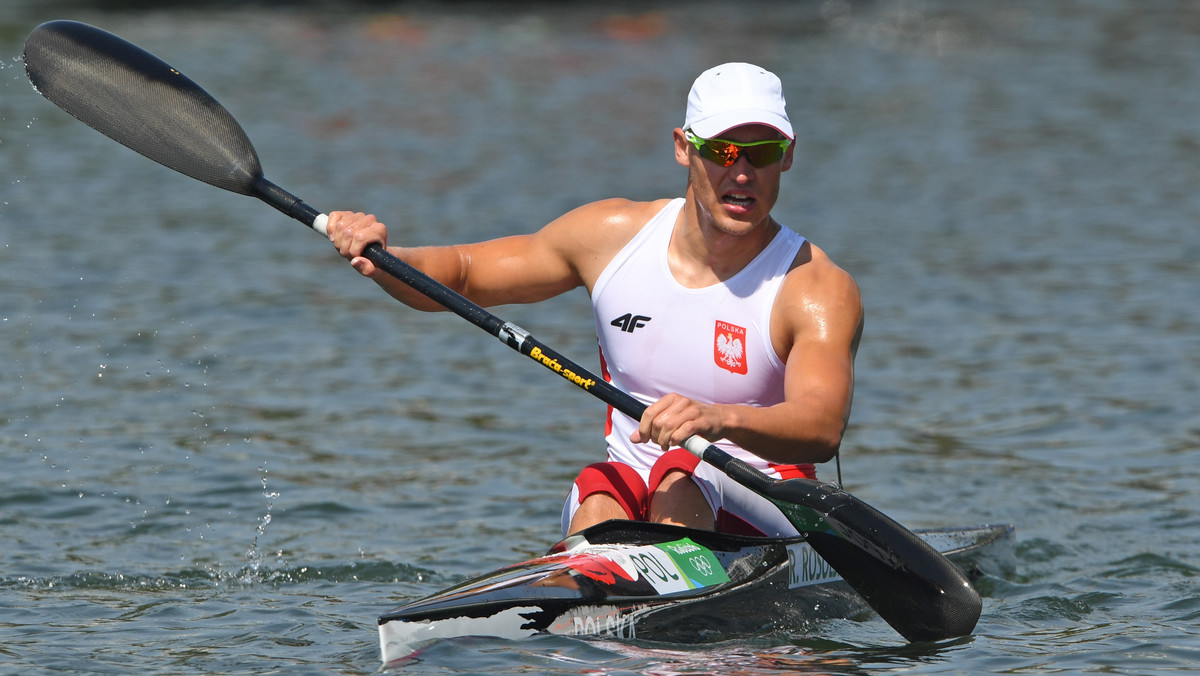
<point>912,586</point>
<point>139,101</point>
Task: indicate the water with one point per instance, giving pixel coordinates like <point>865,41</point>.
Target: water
<point>225,452</point>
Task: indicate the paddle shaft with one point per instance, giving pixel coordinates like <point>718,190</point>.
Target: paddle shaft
<point>510,334</point>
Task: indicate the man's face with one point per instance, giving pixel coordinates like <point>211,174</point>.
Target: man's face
<point>738,197</point>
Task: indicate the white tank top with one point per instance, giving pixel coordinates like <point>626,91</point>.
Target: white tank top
<point>711,344</point>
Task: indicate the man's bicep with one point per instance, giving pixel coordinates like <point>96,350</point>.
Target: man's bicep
<point>821,375</point>
<point>516,269</point>
<point>820,364</point>
<point>568,252</point>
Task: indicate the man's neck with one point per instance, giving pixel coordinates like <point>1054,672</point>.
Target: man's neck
<point>701,253</point>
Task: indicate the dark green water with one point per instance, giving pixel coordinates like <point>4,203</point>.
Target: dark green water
<point>222,451</point>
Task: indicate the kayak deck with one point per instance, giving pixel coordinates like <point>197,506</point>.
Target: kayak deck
<point>628,579</point>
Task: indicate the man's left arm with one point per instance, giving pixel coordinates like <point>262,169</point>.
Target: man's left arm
<point>818,322</point>
<point>821,313</point>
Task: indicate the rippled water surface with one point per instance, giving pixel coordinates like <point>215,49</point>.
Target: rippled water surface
<point>224,452</point>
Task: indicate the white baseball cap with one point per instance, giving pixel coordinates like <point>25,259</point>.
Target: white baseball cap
<point>736,94</point>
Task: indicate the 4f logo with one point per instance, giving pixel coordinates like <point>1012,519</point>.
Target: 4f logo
<point>729,347</point>
<point>628,322</point>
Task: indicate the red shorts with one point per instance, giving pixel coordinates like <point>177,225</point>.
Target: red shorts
<point>623,483</point>
<point>735,509</point>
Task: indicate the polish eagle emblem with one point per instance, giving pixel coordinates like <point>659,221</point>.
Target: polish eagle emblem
<point>729,347</point>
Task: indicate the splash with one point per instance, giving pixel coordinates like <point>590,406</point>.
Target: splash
<point>254,555</point>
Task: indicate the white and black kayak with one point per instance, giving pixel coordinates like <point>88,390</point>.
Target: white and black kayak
<point>629,580</point>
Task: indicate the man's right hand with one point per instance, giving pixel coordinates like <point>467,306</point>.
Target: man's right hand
<point>351,232</point>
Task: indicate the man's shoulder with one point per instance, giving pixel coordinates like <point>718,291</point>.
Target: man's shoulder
<point>812,260</point>
<point>819,301</point>
<point>608,221</point>
<point>618,211</point>
<point>589,236</point>
<point>815,275</point>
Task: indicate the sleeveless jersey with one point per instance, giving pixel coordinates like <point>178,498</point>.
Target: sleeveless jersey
<point>711,344</point>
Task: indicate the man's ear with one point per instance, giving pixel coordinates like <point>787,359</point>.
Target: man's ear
<point>682,146</point>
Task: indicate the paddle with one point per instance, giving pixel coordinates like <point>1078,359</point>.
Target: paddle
<point>137,100</point>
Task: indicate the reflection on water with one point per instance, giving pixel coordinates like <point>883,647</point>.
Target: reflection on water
<point>1010,183</point>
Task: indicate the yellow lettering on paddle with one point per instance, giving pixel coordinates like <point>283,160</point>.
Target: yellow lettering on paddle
<point>553,365</point>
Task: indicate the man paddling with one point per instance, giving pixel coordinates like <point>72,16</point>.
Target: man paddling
<point>729,325</point>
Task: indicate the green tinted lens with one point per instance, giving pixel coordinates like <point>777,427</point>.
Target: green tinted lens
<point>720,152</point>
<point>726,153</point>
<point>761,156</point>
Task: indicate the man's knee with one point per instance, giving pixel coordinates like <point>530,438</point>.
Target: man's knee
<point>596,508</point>
<point>678,500</point>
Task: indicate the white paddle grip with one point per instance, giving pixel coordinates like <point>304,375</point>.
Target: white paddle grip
<point>320,224</point>
<point>696,445</point>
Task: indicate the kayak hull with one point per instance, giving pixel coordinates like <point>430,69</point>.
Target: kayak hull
<point>627,580</point>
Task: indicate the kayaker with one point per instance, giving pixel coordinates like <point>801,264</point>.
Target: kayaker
<point>728,324</point>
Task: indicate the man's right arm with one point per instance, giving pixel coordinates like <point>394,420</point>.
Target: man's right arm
<point>569,252</point>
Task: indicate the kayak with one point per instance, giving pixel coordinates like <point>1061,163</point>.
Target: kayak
<point>636,580</point>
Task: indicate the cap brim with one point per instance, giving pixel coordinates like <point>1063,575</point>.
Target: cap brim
<point>715,125</point>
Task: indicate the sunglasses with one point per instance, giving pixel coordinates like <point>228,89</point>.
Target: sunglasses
<point>726,153</point>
